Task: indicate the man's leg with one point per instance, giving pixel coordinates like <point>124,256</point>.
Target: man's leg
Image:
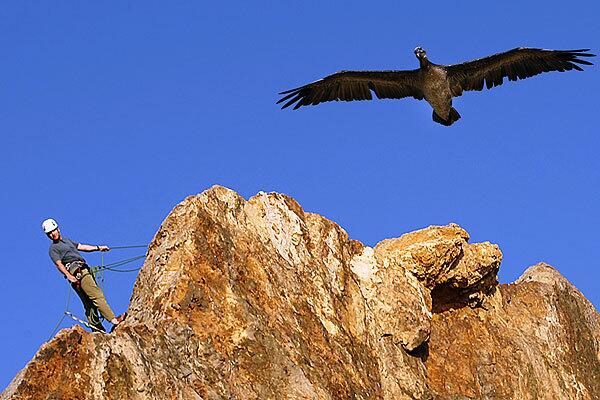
<point>91,312</point>
<point>95,295</point>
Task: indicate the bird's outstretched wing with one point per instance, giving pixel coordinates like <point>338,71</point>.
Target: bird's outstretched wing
<point>355,85</point>
<point>519,63</point>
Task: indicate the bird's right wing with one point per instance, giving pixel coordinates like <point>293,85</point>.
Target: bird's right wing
<point>519,63</point>
<point>355,85</point>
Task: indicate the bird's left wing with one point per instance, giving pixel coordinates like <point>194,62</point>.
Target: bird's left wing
<point>355,85</point>
<point>519,63</point>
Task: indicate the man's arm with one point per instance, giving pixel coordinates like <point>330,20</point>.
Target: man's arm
<point>65,272</point>
<point>88,248</point>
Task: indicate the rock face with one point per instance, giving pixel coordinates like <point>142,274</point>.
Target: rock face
<point>259,300</point>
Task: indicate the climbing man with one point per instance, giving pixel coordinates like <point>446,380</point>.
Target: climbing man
<point>65,255</point>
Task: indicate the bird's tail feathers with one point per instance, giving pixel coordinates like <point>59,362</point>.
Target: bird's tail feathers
<point>453,116</point>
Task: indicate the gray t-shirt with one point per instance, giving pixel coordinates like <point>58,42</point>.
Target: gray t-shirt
<point>65,250</point>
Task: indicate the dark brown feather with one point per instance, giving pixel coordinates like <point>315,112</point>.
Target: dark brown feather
<point>355,85</point>
<point>519,63</point>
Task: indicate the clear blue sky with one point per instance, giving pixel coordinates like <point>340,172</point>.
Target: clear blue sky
<point>112,112</point>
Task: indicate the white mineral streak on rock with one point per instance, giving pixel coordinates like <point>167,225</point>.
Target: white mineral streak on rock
<point>364,266</point>
<point>283,226</point>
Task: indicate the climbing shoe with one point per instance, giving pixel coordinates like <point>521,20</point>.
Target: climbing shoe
<point>120,319</point>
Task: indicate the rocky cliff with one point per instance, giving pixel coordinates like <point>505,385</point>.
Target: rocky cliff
<point>258,299</point>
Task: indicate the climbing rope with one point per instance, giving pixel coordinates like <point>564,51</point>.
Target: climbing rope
<point>100,276</point>
<point>63,316</point>
<point>82,322</point>
<point>127,247</point>
<point>99,270</point>
<point>111,267</point>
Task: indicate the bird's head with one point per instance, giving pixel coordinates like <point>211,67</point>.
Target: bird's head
<point>420,53</point>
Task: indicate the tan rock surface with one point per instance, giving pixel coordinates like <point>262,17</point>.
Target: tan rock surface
<point>259,300</point>
<point>537,339</point>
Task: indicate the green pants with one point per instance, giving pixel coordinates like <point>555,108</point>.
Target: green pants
<point>92,298</point>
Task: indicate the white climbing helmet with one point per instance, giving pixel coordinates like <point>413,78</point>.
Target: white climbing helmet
<point>49,225</point>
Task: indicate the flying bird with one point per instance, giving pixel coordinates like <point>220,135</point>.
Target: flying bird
<point>437,84</point>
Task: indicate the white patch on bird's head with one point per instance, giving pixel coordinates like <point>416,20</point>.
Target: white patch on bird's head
<point>420,53</point>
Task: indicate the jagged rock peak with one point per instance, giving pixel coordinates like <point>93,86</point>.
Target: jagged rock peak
<point>258,299</point>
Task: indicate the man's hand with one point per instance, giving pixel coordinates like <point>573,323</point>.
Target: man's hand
<point>103,248</point>
<point>66,273</point>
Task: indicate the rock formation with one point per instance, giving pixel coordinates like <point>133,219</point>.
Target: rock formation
<point>258,299</point>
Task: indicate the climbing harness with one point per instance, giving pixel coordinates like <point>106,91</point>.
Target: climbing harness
<point>98,271</point>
